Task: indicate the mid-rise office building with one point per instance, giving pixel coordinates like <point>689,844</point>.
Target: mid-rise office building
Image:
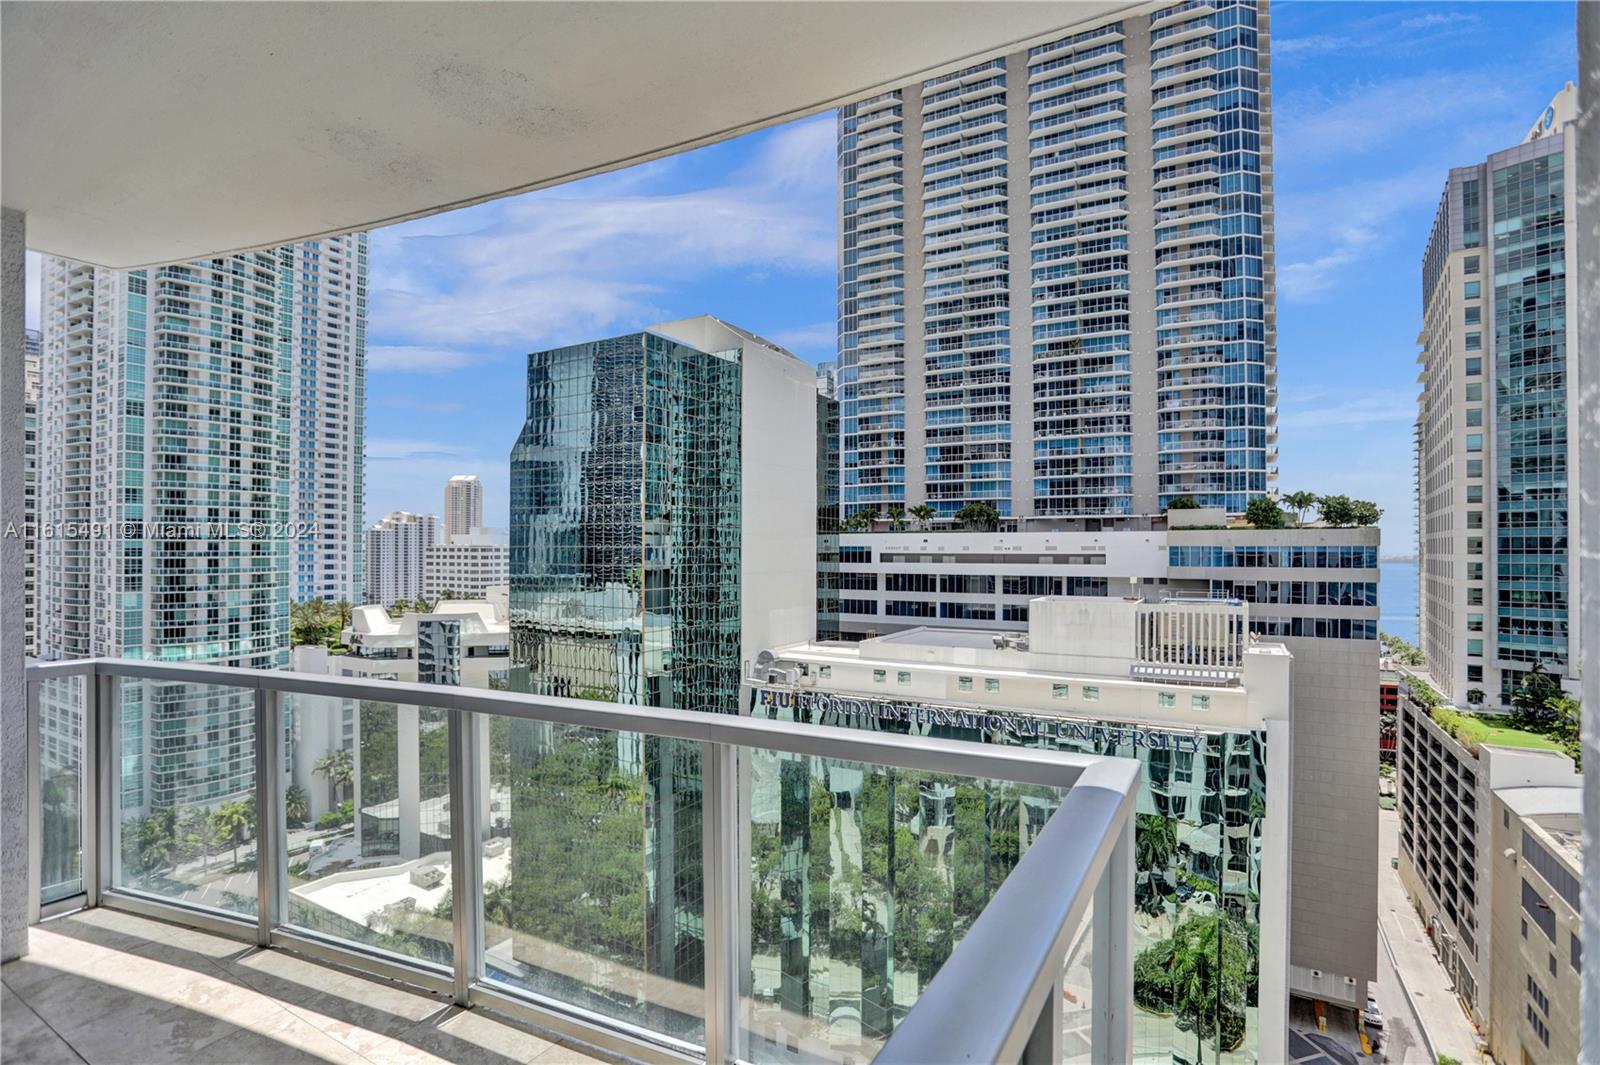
<point>396,554</point>
<point>323,306</point>
<point>464,567</point>
<point>663,530</point>
<point>1490,856</point>
<point>1496,432</point>
<point>463,506</point>
<point>1180,686</point>
<point>1315,590</point>
<point>1056,276</point>
<point>163,492</point>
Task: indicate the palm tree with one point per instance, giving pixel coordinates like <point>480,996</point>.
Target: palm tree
<point>923,513</point>
<point>158,839</point>
<point>1300,502</point>
<point>981,516</point>
<point>344,610</point>
<point>295,805</point>
<point>339,768</point>
<point>234,820</point>
<point>897,519</point>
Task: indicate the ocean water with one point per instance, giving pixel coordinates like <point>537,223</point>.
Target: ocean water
<point>1397,599</point>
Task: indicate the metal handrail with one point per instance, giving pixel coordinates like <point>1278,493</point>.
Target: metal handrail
<point>1004,975</point>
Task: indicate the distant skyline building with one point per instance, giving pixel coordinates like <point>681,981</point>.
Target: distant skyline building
<point>396,553</point>
<point>32,347</point>
<point>465,567</point>
<point>1496,430</point>
<point>162,481</point>
<point>463,506</point>
<point>1056,276</point>
<point>323,304</point>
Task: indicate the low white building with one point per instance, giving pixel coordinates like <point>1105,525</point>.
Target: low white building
<point>465,566</point>
<point>1181,686</point>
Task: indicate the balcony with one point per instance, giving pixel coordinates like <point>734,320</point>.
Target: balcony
<point>627,881</point>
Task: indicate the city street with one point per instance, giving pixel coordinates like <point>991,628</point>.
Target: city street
<point>1422,1017</point>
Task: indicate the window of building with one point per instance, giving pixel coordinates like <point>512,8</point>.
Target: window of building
<point>1472,290</point>
<point>824,671</point>
<point>1058,691</point>
<point>1475,392</point>
<point>1474,366</point>
<point>1552,965</point>
<point>1469,265</point>
<point>1167,699</point>
<point>879,676</point>
<point>1474,442</point>
<point>1575,953</point>
<point>1475,674</point>
<point>1475,648</point>
<point>1475,495</point>
<point>1200,702</point>
<point>903,677</point>
<point>1091,693</point>
<point>964,684</point>
<point>1474,622</point>
<point>1474,416</point>
<point>990,684</point>
<point>1474,467</point>
<point>1474,315</point>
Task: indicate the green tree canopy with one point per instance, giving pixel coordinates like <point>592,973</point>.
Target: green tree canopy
<point>1183,503</point>
<point>1263,513</point>
<point>979,516</point>
<point>1300,503</point>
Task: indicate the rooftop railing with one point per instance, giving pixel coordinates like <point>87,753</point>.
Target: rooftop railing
<point>667,885</point>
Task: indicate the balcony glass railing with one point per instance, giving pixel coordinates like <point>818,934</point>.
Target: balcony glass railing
<point>664,884</point>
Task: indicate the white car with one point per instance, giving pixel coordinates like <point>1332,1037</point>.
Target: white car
<point>1373,1016</point>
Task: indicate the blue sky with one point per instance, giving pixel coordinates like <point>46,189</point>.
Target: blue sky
<point>1373,104</point>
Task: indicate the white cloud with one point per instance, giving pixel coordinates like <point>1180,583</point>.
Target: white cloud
<point>405,358</point>
<point>571,263</point>
<point>1380,34</point>
<point>385,449</point>
<point>1325,234</point>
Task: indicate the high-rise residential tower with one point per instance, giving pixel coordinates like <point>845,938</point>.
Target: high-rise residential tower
<point>1056,276</point>
<point>396,554</point>
<point>33,345</point>
<point>323,310</point>
<point>163,490</point>
<point>463,506</point>
<point>1496,432</point>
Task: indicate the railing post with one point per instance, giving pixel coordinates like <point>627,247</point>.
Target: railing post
<point>35,792</point>
<point>272,841</point>
<point>104,765</point>
<point>719,811</point>
<point>1044,1044</point>
<point>1112,992</point>
<point>466,853</point>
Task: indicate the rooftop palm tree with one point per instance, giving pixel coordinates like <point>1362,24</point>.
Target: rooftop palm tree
<point>1300,502</point>
<point>923,513</point>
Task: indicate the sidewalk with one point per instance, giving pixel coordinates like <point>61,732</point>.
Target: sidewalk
<point>1448,1031</point>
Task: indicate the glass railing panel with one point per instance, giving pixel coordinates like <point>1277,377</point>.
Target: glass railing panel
<point>368,823</point>
<point>863,879</point>
<point>61,728</point>
<point>592,873</point>
<point>184,792</point>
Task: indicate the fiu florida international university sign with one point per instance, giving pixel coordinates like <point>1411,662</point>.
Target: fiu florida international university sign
<point>859,710</point>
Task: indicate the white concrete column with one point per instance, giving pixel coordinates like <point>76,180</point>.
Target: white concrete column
<point>408,773</point>
<point>1587,403</point>
<point>14,902</point>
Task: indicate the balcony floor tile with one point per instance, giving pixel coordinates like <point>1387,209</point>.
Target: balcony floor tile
<point>112,987</point>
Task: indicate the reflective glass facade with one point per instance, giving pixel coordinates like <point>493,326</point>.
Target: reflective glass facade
<point>625,564</point>
<point>1531,431</point>
<point>1198,854</point>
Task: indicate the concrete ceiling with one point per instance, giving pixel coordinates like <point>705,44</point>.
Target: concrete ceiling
<point>141,133</point>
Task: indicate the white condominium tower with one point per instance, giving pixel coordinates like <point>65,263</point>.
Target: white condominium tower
<point>1496,426</point>
<point>1056,276</point>
<point>463,506</point>
<point>397,551</point>
<point>33,345</point>
<point>323,304</point>
<point>163,478</point>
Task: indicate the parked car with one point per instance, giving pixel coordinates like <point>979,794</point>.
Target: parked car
<point>1372,1015</point>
